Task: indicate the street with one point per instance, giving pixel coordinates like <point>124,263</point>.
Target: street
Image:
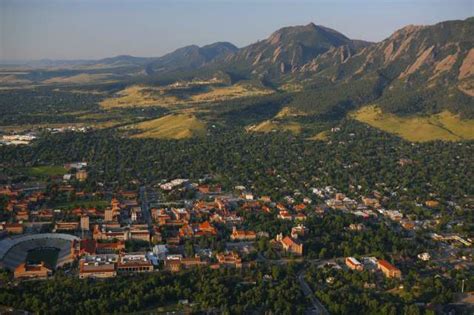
<point>318,308</point>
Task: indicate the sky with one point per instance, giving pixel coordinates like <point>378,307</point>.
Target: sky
<point>93,29</point>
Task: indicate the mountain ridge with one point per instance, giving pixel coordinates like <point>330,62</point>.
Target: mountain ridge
<point>417,69</point>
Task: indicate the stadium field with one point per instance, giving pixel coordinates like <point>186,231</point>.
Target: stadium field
<point>48,255</point>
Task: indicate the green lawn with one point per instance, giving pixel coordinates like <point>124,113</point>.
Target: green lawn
<point>52,170</point>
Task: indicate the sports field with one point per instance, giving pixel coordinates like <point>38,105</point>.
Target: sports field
<point>48,255</point>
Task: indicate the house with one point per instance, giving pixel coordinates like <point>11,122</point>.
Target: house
<point>129,194</point>
<point>247,196</point>
<point>92,247</point>
<point>266,199</point>
<point>389,270</point>
<point>207,189</point>
<point>220,204</point>
<point>66,226</point>
<point>38,271</point>
<point>85,225</point>
<point>173,264</point>
<point>370,202</point>
<point>110,247</point>
<point>424,256</point>
<point>299,230</point>
<point>231,259</point>
<point>22,215</point>
<point>110,232</point>
<point>181,214</point>
<point>284,215</point>
<point>45,214</point>
<point>81,175</point>
<point>356,227</point>
<point>13,228</point>
<point>300,217</point>
<point>432,203</point>
<point>192,262</point>
<point>186,231</point>
<point>299,207</point>
<point>75,165</point>
<point>407,224</point>
<point>206,228</point>
<point>354,264</point>
<point>241,235</point>
<point>139,234</point>
<point>174,183</point>
<point>290,245</point>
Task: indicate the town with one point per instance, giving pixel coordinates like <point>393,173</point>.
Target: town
<point>183,224</point>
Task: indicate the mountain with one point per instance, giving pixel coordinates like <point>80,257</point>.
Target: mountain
<point>289,48</point>
<point>123,60</point>
<point>417,69</point>
<point>191,57</point>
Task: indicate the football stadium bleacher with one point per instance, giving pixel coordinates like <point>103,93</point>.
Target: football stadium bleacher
<point>13,251</point>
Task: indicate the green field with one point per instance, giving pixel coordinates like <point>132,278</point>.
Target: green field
<point>48,255</point>
<point>47,170</point>
<point>443,126</point>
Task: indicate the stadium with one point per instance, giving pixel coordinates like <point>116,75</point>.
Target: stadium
<point>53,249</point>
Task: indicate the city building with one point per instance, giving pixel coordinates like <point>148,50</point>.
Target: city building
<point>231,259</point>
<point>85,225</point>
<point>37,271</point>
<point>81,175</point>
<point>13,228</point>
<point>98,266</point>
<point>241,235</point>
<point>389,270</point>
<point>134,262</point>
<point>290,245</point>
<point>354,264</point>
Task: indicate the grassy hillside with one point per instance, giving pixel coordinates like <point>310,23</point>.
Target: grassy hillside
<point>321,136</point>
<point>178,126</point>
<point>81,78</point>
<point>185,94</point>
<point>275,125</point>
<point>443,126</point>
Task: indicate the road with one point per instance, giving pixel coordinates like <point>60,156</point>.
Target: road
<point>318,308</point>
<point>145,206</point>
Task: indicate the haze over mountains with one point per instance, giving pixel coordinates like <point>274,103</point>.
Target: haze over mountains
<point>417,69</point>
